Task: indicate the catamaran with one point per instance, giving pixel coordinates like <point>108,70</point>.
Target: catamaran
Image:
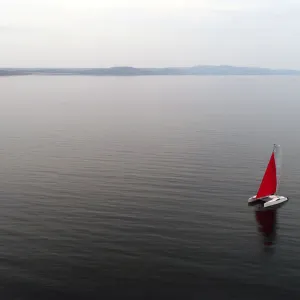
<point>267,195</point>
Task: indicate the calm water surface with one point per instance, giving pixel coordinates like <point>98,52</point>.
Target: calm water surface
<point>137,187</point>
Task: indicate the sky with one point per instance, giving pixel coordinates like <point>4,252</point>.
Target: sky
<point>149,33</point>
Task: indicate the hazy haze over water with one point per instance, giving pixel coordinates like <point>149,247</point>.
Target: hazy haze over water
<point>135,185</point>
<point>156,33</point>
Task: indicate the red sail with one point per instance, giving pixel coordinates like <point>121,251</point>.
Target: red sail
<point>269,181</point>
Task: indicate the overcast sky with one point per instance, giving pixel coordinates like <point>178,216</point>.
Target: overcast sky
<point>144,33</point>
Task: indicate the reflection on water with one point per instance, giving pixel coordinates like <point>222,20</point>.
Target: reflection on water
<point>267,225</point>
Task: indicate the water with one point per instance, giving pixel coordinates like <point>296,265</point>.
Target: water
<point>137,187</point>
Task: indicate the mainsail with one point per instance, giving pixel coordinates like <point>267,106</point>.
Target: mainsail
<point>270,180</point>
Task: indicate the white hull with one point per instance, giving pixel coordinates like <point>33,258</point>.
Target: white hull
<point>269,202</point>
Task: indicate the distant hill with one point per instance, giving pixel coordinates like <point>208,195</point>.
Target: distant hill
<point>131,71</point>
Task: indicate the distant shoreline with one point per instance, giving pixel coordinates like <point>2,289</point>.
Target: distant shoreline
<point>131,71</point>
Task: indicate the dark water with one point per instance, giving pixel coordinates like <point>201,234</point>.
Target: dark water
<point>137,187</point>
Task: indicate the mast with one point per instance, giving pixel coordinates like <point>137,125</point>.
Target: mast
<point>278,162</point>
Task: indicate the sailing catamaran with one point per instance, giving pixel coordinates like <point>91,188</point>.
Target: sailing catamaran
<point>267,197</point>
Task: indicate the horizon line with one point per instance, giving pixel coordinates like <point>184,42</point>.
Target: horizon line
<point>152,67</point>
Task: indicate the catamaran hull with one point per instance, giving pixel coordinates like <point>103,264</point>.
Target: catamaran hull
<point>267,203</point>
